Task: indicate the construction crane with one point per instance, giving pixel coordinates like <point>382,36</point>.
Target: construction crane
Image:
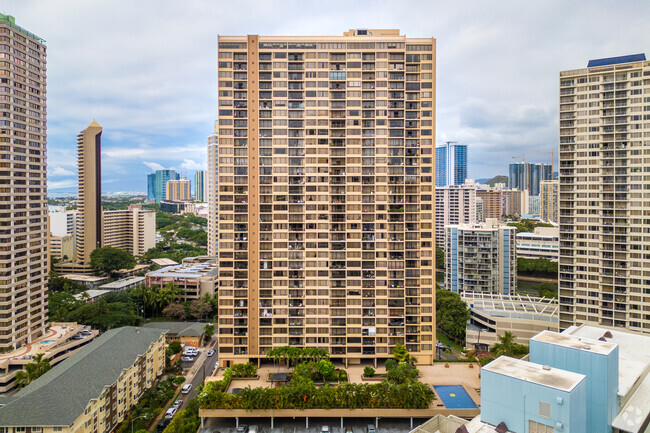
<point>523,159</point>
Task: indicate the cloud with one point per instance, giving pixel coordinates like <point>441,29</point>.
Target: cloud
<point>191,165</point>
<point>58,184</point>
<point>153,165</point>
<point>60,171</point>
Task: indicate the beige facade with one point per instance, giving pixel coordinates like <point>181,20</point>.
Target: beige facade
<point>178,190</point>
<point>544,242</point>
<point>326,198</point>
<point>455,204</point>
<point>492,203</point>
<point>133,230</point>
<point>89,203</point>
<point>604,265</point>
<point>62,247</point>
<point>549,200</point>
<point>514,202</point>
<point>196,277</point>
<point>23,201</point>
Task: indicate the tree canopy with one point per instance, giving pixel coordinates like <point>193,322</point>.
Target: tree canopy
<point>541,267</point>
<point>452,314</point>
<point>508,347</point>
<point>111,259</point>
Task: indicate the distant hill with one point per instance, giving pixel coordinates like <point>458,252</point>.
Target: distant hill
<point>497,179</point>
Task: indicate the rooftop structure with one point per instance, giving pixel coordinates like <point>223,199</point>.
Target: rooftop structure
<point>197,277</point>
<point>123,284</point>
<point>535,373</point>
<point>543,243</point>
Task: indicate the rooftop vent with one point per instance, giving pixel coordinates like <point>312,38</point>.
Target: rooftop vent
<point>602,339</point>
<point>608,335</point>
<point>361,32</point>
<point>547,367</point>
<point>502,428</point>
<point>586,347</point>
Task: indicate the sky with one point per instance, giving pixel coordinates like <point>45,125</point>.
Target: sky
<point>146,70</point>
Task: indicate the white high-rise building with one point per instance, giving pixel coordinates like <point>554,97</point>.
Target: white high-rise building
<point>455,204</point>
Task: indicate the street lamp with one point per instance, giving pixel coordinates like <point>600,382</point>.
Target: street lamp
<point>133,419</point>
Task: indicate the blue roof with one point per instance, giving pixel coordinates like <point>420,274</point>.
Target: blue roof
<point>616,60</point>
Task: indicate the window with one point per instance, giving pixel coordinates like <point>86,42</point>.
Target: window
<point>544,409</point>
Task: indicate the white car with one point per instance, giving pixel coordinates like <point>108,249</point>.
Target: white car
<point>187,388</point>
<point>210,352</point>
<point>170,412</point>
<point>177,404</point>
<point>187,359</point>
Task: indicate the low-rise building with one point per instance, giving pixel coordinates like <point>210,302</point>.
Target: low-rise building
<point>481,258</point>
<point>62,247</point>
<point>92,390</point>
<point>186,333</point>
<point>123,284</point>
<point>544,242</point>
<point>61,340</point>
<point>90,281</point>
<point>91,295</point>
<point>492,315</point>
<point>196,277</point>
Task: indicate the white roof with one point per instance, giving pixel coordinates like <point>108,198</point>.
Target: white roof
<point>633,352</point>
<point>536,373</point>
<point>633,415</point>
<point>573,342</point>
<point>92,294</point>
<point>119,284</point>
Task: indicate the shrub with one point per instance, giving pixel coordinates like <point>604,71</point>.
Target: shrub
<point>244,370</point>
<point>368,371</point>
<point>178,380</point>
<point>390,364</point>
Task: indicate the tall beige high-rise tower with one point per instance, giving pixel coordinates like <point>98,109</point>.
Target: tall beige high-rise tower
<point>604,271</point>
<point>212,193</point>
<point>23,201</point>
<point>89,202</point>
<point>326,195</point>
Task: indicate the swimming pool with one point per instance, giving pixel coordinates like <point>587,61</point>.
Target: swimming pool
<point>47,342</point>
<point>455,397</point>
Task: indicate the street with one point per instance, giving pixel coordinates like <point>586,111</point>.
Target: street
<point>200,368</point>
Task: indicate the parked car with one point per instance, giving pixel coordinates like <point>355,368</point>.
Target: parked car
<point>349,430</point>
<point>177,403</point>
<point>253,429</point>
<point>187,388</point>
<point>187,359</point>
<point>162,424</point>
<point>86,332</point>
<point>242,428</point>
<point>170,412</point>
<point>370,429</point>
<point>325,429</point>
<point>210,352</point>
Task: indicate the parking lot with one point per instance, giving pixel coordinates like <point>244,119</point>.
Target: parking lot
<point>297,425</point>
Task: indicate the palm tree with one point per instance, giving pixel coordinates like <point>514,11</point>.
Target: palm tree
<point>42,365</point>
<point>505,346</point>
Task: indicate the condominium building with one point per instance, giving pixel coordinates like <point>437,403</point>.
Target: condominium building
<point>549,195</point>
<point>492,203</point>
<point>62,247</point>
<point>23,202</point>
<point>481,258</point>
<point>544,242</point>
<point>197,277</point>
<point>527,176</point>
<point>94,389</point>
<point>213,194</point>
<point>157,184</point>
<point>326,201</point>
<point>604,269</point>
<point>178,190</point>
<point>132,229</point>
<point>514,202</point>
<point>451,164</point>
<point>89,202</point>
<point>200,185</point>
<point>455,204</point>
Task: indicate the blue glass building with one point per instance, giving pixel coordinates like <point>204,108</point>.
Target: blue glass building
<point>157,184</point>
<point>527,176</point>
<point>451,164</point>
<point>151,186</point>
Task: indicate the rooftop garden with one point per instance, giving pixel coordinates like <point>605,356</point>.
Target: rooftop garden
<point>400,390</point>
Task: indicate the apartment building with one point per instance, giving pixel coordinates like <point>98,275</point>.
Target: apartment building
<point>326,205</point>
<point>527,176</point>
<point>455,204</point>
<point>451,164</point>
<point>492,203</point>
<point>549,200</point>
<point>93,389</point>
<point>132,229</point>
<point>544,242</point>
<point>23,202</point>
<point>514,202</point>
<point>481,258</point>
<point>196,277</point>
<point>62,247</point>
<point>200,185</point>
<point>604,265</point>
<point>178,190</point>
<point>89,201</point>
<point>213,194</point>
<point>63,222</point>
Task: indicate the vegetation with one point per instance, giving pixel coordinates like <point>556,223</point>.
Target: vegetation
<point>507,346</point>
<point>33,370</point>
<point>295,354</point>
<point>111,259</point>
<point>497,179</point>
<point>368,371</point>
<point>452,314</point>
<point>57,283</point>
<point>209,330</point>
<point>540,267</point>
<point>526,225</point>
<point>175,347</point>
<point>535,288</point>
<point>149,406</point>
<point>187,420</point>
<point>244,370</point>
<point>440,258</point>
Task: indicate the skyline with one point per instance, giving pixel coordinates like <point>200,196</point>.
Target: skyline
<point>156,96</point>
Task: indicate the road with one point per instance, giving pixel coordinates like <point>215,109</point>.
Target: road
<point>203,366</point>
